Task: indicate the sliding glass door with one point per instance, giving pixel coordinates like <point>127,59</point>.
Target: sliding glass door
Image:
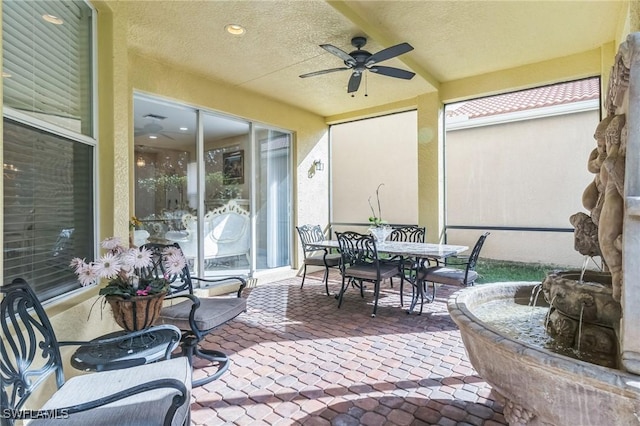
<point>273,198</point>
<point>210,183</point>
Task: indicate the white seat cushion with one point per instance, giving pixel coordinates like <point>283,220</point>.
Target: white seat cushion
<point>146,408</point>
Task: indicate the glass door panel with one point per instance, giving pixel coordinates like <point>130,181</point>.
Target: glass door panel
<point>273,198</point>
<point>226,242</point>
<point>165,153</point>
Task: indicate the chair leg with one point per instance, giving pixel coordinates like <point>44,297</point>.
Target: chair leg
<point>342,290</point>
<point>304,274</point>
<point>215,357</point>
<point>401,289</point>
<point>376,294</point>
<point>191,350</point>
<point>326,280</point>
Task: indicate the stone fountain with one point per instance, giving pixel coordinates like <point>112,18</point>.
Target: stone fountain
<point>595,313</point>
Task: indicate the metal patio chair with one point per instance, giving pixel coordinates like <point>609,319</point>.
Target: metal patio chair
<point>464,275</point>
<point>316,256</point>
<point>151,394</point>
<point>360,263</point>
<point>410,233</point>
<point>197,316</point>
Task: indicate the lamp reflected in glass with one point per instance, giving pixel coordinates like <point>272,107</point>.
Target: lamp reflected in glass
<point>140,162</point>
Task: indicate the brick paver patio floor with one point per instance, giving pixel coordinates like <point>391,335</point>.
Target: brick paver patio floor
<point>299,360</point>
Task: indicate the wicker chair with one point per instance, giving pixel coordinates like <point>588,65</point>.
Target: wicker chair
<point>151,394</point>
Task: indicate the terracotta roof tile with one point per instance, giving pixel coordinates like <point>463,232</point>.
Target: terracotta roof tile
<point>557,94</point>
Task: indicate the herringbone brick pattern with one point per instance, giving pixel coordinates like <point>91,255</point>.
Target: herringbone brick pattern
<point>299,360</point>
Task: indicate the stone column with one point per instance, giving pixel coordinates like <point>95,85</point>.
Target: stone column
<point>630,300</point>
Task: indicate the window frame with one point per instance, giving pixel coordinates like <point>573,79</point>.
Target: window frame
<point>33,122</point>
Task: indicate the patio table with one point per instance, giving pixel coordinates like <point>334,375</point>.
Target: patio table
<point>421,252</point>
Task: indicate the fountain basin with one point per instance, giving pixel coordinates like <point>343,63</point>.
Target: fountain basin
<point>539,387</point>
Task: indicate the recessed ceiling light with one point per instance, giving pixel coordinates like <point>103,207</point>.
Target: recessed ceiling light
<point>52,19</point>
<point>184,129</point>
<point>153,137</point>
<point>235,29</point>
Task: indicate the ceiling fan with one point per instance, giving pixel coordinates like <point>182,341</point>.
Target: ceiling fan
<point>153,128</point>
<point>360,61</point>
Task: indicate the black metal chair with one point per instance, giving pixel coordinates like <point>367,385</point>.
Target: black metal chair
<point>410,233</point>
<point>465,275</point>
<point>151,394</point>
<point>196,316</point>
<point>360,263</point>
<point>316,256</point>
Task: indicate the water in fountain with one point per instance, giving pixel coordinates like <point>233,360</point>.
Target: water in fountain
<point>527,324</point>
<point>584,268</point>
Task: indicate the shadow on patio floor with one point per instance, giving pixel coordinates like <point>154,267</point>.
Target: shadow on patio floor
<point>298,359</point>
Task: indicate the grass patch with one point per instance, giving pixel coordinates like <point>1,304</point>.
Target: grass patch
<point>492,271</point>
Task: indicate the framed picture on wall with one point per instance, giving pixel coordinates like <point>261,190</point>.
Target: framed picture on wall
<point>233,167</point>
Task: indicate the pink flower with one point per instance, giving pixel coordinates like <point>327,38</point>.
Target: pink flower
<point>143,292</point>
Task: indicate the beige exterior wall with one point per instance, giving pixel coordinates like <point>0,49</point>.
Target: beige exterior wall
<point>527,173</point>
<point>365,154</point>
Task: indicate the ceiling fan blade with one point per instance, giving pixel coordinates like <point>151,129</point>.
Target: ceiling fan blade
<point>339,53</point>
<point>354,82</point>
<point>388,53</point>
<point>392,72</point>
<point>312,74</point>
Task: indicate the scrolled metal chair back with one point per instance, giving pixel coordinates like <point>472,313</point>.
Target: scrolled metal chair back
<point>179,283</point>
<point>413,234</point>
<point>475,253</point>
<point>356,249</point>
<point>29,351</point>
<point>309,234</point>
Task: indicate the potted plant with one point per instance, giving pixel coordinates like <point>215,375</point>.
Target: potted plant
<point>135,297</point>
<point>379,227</point>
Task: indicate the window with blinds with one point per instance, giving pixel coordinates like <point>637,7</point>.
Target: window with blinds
<point>48,214</point>
<point>48,178</point>
<point>47,61</point>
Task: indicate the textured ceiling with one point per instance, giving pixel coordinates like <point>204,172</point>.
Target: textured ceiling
<point>452,40</point>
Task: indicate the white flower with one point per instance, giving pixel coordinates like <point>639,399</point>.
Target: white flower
<point>108,266</point>
<point>174,263</point>
<point>141,258</point>
<point>112,243</point>
<point>87,274</point>
<point>171,250</point>
<point>77,264</point>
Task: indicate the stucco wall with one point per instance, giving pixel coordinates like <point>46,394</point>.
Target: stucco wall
<point>367,153</point>
<point>521,174</point>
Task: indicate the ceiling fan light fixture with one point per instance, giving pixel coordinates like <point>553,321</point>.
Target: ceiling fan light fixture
<point>234,29</point>
<point>52,19</point>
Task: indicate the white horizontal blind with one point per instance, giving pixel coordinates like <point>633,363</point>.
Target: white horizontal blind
<point>46,66</point>
<point>48,179</point>
<point>48,214</point>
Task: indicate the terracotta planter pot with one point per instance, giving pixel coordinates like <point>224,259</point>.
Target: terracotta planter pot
<point>136,313</point>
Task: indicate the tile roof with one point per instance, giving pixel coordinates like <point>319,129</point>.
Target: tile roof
<point>557,94</point>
